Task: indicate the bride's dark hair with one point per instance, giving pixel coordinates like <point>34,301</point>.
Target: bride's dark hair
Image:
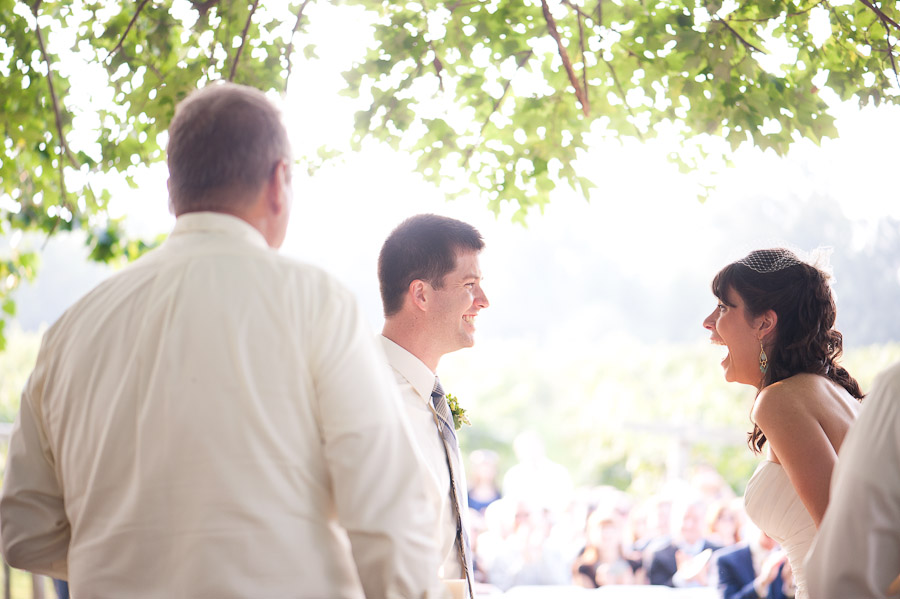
<point>804,339</point>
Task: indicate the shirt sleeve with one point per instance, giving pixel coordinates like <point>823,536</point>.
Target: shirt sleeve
<point>377,475</point>
<point>33,525</point>
<point>857,550</point>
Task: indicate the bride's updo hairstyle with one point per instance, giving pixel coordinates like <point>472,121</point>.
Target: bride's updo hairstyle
<point>804,339</point>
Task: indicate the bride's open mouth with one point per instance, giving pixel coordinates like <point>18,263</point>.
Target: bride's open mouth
<point>722,347</point>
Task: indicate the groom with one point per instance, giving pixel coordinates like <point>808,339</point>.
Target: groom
<point>215,419</point>
<point>431,290</point>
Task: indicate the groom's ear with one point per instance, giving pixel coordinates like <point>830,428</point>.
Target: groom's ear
<point>417,293</point>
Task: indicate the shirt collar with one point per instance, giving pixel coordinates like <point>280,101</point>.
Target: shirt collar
<point>412,368</point>
<point>218,222</point>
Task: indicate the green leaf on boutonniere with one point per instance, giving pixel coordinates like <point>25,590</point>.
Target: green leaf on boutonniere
<point>459,414</point>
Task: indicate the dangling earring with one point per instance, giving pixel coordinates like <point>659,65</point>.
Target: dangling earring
<point>763,358</point>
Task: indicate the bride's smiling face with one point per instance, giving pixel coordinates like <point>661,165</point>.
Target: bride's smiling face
<point>731,327</point>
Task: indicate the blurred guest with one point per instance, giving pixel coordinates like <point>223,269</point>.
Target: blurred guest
<point>536,478</point>
<point>724,519</point>
<point>657,534</point>
<point>618,572</point>
<point>683,561</point>
<point>531,553</point>
<point>751,570</point>
<point>603,547</point>
<point>483,489</point>
<point>709,483</point>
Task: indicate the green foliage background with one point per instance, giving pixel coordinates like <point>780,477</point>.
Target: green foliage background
<point>590,404</point>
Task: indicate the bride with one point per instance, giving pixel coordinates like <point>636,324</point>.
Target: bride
<point>776,317</point>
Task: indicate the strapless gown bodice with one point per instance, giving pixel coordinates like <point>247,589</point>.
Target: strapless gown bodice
<point>774,506</point>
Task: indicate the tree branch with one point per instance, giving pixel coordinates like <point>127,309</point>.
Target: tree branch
<point>203,7</point>
<point>290,49</point>
<point>573,78</point>
<point>612,71</point>
<point>576,9</point>
<point>438,66</point>
<point>890,47</point>
<point>240,49</point>
<point>496,106</point>
<point>64,151</point>
<point>584,81</point>
<point>63,146</point>
<point>746,44</point>
<point>884,18</point>
<point>127,29</point>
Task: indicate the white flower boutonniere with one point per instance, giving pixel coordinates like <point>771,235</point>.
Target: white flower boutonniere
<point>459,414</point>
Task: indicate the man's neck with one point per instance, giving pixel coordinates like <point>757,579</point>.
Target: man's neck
<point>411,341</point>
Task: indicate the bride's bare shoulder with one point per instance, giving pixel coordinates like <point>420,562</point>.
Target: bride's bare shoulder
<point>792,396</point>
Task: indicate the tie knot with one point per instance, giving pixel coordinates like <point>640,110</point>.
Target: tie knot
<point>438,391</point>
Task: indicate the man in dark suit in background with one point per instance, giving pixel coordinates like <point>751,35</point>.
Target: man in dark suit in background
<point>751,570</point>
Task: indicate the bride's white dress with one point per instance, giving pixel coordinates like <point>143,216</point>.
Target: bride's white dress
<point>774,506</point>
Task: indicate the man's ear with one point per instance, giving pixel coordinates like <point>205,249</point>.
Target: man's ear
<point>169,191</point>
<point>418,294</point>
<point>765,324</point>
<point>277,187</point>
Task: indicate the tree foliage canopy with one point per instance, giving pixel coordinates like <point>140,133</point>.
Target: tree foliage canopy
<point>496,97</point>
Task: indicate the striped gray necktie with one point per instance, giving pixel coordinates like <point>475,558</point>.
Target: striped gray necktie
<point>444,422</point>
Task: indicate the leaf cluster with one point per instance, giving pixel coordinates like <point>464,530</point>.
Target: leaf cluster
<point>536,80</point>
<point>88,88</point>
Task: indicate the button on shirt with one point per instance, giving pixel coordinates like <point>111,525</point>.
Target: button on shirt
<point>217,421</point>
<point>416,382</point>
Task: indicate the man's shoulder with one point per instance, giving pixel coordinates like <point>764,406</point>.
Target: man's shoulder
<point>731,552</point>
<point>888,379</point>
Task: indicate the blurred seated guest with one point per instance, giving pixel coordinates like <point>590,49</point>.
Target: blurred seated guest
<point>603,536</point>
<point>618,572</point>
<point>536,478</point>
<point>751,570</point>
<point>657,522</point>
<point>530,554</point>
<point>724,519</point>
<point>483,489</point>
<point>711,486</point>
<point>684,561</point>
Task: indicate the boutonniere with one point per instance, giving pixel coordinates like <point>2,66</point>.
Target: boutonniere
<point>459,414</point>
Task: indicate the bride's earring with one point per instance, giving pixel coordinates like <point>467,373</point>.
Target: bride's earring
<point>763,358</point>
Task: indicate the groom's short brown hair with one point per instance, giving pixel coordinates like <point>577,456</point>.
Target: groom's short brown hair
<point>421,247</point>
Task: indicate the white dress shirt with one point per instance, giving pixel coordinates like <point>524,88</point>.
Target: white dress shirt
<point>416,382</point>
<point>857,551</point>
<point>217,421</point>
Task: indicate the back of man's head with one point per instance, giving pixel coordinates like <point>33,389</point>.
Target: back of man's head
<point>224,143</point>
<point>421,247</point>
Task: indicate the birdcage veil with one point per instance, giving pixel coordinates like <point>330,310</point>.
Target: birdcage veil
<point>770,260</point>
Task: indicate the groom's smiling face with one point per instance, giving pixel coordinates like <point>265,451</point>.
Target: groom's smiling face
<point>457,303</point>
